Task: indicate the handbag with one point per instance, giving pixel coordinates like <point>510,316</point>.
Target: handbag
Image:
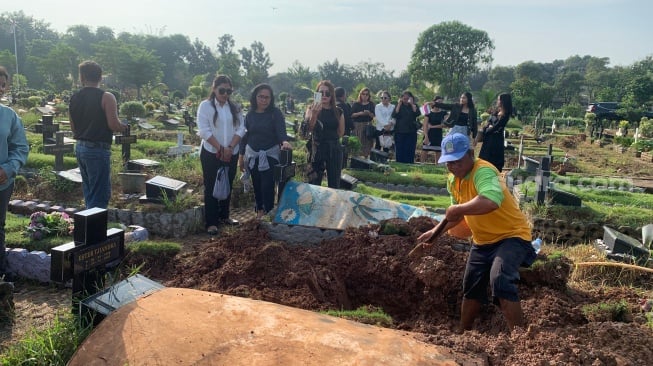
<point>222,188</point>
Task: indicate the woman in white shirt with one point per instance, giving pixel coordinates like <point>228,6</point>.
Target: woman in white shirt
<point>384,122</point>
<point>221,126</point>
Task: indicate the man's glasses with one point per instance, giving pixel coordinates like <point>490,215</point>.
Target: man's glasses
<point>325,93</point>
<point>225,91</point>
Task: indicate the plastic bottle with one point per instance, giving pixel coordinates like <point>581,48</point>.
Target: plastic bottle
<point>537,245</point>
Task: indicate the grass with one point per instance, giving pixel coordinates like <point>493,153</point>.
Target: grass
<point>413,199</point>
<point>364,314</point>
<point>50,346</point>
<point>603,312</point>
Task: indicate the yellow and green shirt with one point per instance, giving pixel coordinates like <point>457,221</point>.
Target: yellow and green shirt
<point>507,221</point>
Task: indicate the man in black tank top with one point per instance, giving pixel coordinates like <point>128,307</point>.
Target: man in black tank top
<point>93,120</point>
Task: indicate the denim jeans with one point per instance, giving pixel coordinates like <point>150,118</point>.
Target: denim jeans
<point>5,195</point>
<point>95,168</point>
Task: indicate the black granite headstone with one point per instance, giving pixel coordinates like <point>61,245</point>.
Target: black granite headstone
<point>284,171</point>
<point>379,156</point>
<point>126,139</point>
<point>47,128</point>
<point>159,187</point>
<point>58,149</point>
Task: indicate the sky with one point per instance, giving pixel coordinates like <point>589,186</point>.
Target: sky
<point>354,31</point>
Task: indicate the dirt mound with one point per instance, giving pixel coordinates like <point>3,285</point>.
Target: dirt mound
<point>364,268</point>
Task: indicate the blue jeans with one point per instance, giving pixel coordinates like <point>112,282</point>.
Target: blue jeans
<point>95,168</point>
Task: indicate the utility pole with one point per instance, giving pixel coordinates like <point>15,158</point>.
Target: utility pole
<point>13,30</point>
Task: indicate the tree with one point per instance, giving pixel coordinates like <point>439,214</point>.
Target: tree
<point>228,61</point>
<point>500,78</point>
<point>256,63</point>
<point>201,60</point>
<point>80,38</point>
<point>447,53</point>
<point>60,67</point>
<point>339,74</point>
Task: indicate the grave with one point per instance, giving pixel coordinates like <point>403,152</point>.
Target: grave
<point>531,164</point>
<point>180,149</point>
<point>283,171</point>
<point>362,163</point>
<point>126,139</point>
<point>379,156</point>
<point>622,247</point>
<point>559,197</point>
<point>140,165</point>
<point>170,123</point>
<point>58,149</point>
<point>47,128</point>
<point>542,179</point>
<point>144,125</point>
<point>162,188</point>
<point>85,259</point>
<point>347,182</point>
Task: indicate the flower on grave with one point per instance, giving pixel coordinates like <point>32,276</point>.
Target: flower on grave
<point>43,224</point>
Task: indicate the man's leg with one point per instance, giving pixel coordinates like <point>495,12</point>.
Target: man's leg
<point>5,195</point>
<point>512,312</point>
<point>468,313</point>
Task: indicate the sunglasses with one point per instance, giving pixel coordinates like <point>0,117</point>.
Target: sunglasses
<point>385,98</point>
<point>225,91</point>
<point>326,93</point>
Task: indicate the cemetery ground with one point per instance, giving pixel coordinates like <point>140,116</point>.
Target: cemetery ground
<point>576,313</point>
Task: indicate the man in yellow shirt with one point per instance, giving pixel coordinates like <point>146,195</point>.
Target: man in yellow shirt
<point>500,231</point>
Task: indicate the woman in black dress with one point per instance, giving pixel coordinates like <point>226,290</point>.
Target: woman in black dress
<point>492,149</point>
<point>432,128</point>
<point>362,113</point>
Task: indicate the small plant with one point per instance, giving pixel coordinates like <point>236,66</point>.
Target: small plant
<point>43,225</point>
<point>604,312</point>
<point>364,314</point>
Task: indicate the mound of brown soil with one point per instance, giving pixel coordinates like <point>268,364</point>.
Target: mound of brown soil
<point>363,268</point>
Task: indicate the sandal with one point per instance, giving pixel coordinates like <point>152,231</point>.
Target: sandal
<point>212,230</point>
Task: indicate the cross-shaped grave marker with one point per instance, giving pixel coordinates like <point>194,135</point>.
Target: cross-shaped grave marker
<point>180,149</point>
<point>126,139</point>
<point>284,171</point>
<point>47,128</point>
<point>58,149</point>
<point>84,260</point>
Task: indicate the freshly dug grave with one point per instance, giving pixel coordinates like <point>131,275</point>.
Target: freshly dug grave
<point>363,268</point>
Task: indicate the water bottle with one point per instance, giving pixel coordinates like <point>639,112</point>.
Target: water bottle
<point>537,245</point>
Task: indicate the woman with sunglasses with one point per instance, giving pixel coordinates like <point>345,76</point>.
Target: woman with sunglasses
<point>463,116</point>
<point>384,122</point>
<point>362,113</point>
<point>327,125</point>
<point>221,126</point>
<point>260,147</point>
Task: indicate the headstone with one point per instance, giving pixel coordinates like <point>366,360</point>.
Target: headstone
<point>126,139</point>
<point>620,243</point>
<point>85,259</point>
<point>58,149</point>
<point>347,182</point>
<point>170,123</point>
<point>145,125</point>
<point>159,188</point>
<point>559,197</point>
<point>47,128</point>
<point>140,165</point>
<point>531,164</point>
<point>379,156</point>
<point>361,163</point>
<point>180,149</point>
<point>542,179</point>
<point>285,170</point>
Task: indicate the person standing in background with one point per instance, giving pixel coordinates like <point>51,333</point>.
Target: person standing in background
<point>14,150</point>
<point>327,125</point>
<point>406,126</point>
<point>492,149</point>
<point>385,124</point>
<point>260,147</point>
<point>221,126</point>
<point>362,112</point>
<point>432,128</point>
<point>93,120</point>
<point>341,102</point>
<point>462,118</point>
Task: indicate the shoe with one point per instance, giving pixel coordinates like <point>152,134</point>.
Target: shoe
<point>212,230</point>
<point>231,221</point>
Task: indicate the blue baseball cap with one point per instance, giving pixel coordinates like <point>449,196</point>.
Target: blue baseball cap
<point>454,147</point>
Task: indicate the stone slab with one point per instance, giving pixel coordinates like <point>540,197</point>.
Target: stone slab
<point>176,326</point>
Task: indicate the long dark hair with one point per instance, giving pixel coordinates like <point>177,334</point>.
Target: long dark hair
<point>223,79</point>
<point>506,103</point>
<point>253,103</point>
<point>470,101</point>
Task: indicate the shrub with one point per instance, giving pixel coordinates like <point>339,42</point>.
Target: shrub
<point>132,109</point>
